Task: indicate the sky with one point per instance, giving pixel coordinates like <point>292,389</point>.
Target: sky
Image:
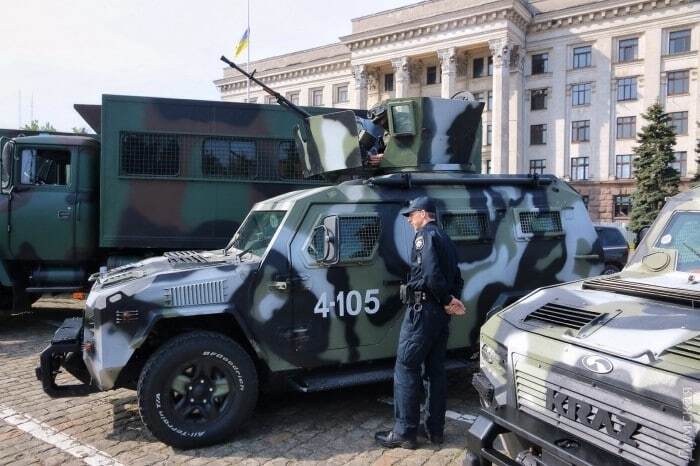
<point>58,53</point>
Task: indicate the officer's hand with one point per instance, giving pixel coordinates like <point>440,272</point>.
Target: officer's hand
<point>375,159</point>
<point>455,307</point>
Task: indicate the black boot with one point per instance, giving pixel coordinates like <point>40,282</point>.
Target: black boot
<point>390,439</point>
<point>434,438</point>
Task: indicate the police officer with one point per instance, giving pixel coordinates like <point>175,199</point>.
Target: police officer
<point>431,294</point>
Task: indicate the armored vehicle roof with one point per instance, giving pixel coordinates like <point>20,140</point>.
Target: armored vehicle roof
<point>59,140</point>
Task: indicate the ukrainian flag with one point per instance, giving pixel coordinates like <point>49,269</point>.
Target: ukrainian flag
<point>243,43</point>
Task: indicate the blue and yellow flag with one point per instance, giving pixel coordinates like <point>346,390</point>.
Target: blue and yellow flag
<point>242,44</point>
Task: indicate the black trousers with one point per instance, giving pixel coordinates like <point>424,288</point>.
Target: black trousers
<point>420,359</point>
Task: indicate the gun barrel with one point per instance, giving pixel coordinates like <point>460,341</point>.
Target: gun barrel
<point>280,99</point>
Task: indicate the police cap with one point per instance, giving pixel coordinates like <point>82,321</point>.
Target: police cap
<point>419,203</point>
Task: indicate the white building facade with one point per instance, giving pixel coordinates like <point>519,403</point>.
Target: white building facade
<point>565,81</point>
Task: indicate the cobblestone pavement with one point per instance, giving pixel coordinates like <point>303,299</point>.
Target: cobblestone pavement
<point>333,427</point>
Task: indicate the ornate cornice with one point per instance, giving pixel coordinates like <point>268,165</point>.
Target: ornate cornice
<point>587,15</point>
<point>239,82</point>
<point>509,13</point>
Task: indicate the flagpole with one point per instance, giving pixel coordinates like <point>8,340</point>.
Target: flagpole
<point>247,66</point>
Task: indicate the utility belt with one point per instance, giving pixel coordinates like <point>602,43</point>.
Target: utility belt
<point>409,296</point>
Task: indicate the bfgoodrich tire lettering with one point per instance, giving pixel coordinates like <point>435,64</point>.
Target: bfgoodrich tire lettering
<point>197,390</point>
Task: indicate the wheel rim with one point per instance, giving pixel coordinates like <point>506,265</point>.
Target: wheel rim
<point>201,391</point>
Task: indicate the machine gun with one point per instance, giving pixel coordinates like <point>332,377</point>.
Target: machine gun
<point>283,101</point>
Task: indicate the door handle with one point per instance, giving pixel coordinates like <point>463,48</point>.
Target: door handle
<point>63,214</point>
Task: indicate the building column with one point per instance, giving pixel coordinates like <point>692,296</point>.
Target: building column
<point>603,100</point>
<point>559,103</point>
<point>516,130</point>
<point>401,76</point>
<point>359,72</point>
<point>448,68</point>
<point>500,115</point>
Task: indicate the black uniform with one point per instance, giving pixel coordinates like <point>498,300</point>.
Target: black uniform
<point>434,279</point>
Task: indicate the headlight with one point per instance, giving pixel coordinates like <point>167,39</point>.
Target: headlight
<point>492,353</point>
<point>489,354</point>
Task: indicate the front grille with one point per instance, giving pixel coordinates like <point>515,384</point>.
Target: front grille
<point>565,316</point>
<point>196,294</point>
<point>664,440</point>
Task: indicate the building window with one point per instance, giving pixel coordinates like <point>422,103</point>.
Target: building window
<point>681,163</point>
<point>431,75</point>
<point>489,134</point>
<point>586,199</point>
<point>478,67</point>
<point>582,57</point>
<point>579,168</point>
<point>293,97</point>
<point>341,93</point>
<point>581,94</point>
<point>316,97</point>
<point>488,167</point>
<point>627,50</point>
<point>538,134</point>
<point>678,122</point>
<point>626,127</point>
<point>537,166</point>
<point>679,41</point>
<point>621,205</point>
<point>388,82</point>
<point>540,62</point>
<point>623,166</point>
<point>581,131</point>
<point>489,70</point>
<point>677,82</point>
<point>626,89</point>
<point>538,99</point>
<point>489,101</point>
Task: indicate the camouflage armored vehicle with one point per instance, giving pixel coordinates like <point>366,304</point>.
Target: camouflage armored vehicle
<point>307,290</point>
<point>604,370</point>
<point>163,174</point>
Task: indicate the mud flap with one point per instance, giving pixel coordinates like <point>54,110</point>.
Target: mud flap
<point>65,351</point>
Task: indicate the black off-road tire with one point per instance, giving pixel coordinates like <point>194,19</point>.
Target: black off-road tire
<point>160,405</point>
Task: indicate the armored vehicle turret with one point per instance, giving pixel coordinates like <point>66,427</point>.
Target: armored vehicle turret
<point>307,290</point>
<point>604,370</point>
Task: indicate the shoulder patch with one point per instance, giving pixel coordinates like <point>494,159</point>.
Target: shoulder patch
<point>418,243</point>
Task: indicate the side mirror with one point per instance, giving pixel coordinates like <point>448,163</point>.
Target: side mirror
<point>325,241</point>
<point>641,234</point>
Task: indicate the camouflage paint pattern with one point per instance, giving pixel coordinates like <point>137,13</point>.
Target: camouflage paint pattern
<point>647,328</point>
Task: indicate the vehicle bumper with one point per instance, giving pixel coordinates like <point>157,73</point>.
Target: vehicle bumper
<point>65,351</point>
<point>558,447</point>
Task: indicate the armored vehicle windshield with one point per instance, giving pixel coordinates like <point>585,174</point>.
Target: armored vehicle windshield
<point>256,232</point>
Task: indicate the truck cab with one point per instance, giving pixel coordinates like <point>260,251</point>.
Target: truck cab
<point>48,206</point>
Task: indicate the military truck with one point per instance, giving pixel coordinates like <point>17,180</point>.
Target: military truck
<point>162,174</point>
<point>307,290</point>
<point>603,370</point>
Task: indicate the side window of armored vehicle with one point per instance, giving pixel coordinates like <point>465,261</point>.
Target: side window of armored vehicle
<point>611,237</point>
<point>465,226</point>
<point>45,167</point>
<point>682,235</point>
<point>257,231</point>
<point>229,158</point>
<point>358,237</point>
<point>402,119</point>
<point>149,154</point>
<point>538,223</point>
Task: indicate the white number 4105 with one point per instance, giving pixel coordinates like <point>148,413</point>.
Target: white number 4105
<point>350,303</point>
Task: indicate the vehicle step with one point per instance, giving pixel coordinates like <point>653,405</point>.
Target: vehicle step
<point>317,382</point>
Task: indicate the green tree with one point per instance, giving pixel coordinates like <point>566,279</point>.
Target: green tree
<point>34,126</point>
<point>655,178</point>
<point>79,130</point>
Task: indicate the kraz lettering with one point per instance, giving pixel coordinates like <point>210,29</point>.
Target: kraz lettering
<point>580,411</point>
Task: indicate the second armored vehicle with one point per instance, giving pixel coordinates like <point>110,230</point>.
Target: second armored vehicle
<point>604,370</point>
<point>308,288</point>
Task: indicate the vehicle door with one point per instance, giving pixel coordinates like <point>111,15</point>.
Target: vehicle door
<point>41,225</point>
<point>350,308</point>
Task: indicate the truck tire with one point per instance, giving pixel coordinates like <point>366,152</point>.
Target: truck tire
<point>197,389</point>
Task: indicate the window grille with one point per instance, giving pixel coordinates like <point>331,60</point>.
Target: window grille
<point>315,248</point>
<point>357,237</point>
<point>150,154</point>
<point>465,225</point>
<point>540,222</point>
